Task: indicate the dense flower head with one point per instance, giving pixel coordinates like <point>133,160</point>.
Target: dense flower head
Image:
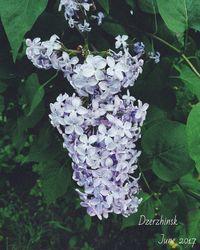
<point>101,141</point>
<point>42,54</point>
<point>106,76</point>
<point>95,75</point>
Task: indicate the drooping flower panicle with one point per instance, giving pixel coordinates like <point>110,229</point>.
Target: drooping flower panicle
<point>101,134</point>
<point>101,142</point>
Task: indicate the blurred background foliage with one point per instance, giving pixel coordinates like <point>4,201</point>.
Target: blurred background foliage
<point>39,208</point>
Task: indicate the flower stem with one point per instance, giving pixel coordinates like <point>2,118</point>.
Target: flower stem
<point>184,57</point>
<point>48,81</point>
<point>164,42</point>
<point>145,180</point>
<point>191,65</point>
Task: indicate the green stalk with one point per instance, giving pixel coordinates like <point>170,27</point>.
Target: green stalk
<point>48,81</point>
<point>145,180</point>
<point>184,57</point>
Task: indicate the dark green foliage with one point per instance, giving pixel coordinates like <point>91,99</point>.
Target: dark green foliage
<point>193,135</point>
<point>39,208</point>
<point>167,154</point>
<point>18,17</point>
<point>105,5</point>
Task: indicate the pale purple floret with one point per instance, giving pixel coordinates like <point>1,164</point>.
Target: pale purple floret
<point>155,56</point>
<point>139,47</point>
<point>99,17</point>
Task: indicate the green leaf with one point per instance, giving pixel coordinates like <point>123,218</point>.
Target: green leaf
<point>58,225</point>
<point>152,85</point>
<point>45,146</point>
<point>146,208</point>
<point>18,135</point>
<point>1,104</point>
<point>174,203</point>
<point>33,93</point>
<point>193,135</point>
<point>131,3</point>
<point>31,120</point>
<point>37,98</point>
<point>190,184</point>
<point>105,5</point>
<point>166,146</point>
<point>18,17</point>
<point>3,87</point>
<point>174,14</point>
<point>154,115</point>
<point>87,222</point>
<point>190,79</point>
<point>55,181</point>
<point>179,15</point>
<point>113,29</point>
<point>193,227</point>
<point>193,8</point>
<point>148,6</point>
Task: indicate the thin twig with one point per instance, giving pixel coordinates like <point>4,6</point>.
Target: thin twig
<point>48,81</point>
<point>184,57</point>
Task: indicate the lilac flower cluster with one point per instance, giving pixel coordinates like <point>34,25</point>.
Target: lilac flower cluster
<point>42,54</point>
<point>100,75</point>
<point>101,134</point>
<point>106,75</point>
<point>75,9</point>
<point>101,141</point>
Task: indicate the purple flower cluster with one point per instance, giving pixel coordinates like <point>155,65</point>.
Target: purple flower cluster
<point>75,9</point>
<point>106,76</point>
<point>42,54</point>
<point>100,75</point>
<point>101,134</point>
<point>101,142</point>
